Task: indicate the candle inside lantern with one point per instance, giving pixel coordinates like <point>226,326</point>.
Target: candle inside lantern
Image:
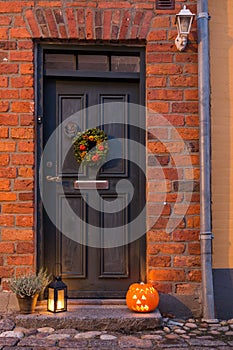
<point>60,300</point>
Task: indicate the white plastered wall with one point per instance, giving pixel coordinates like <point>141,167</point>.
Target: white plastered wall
<point>221,58</point>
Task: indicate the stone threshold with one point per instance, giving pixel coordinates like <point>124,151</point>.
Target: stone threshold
<point>92,314</point>
<point>75,302</point>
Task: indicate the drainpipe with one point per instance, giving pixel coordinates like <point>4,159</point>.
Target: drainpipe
<point>206,235</point>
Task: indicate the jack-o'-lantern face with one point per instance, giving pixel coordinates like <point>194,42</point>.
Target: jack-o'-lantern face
<point>142,297</point>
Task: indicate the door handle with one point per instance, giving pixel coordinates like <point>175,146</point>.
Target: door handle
<point>53,178</point>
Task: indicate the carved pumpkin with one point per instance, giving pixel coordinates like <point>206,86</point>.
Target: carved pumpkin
<point>142,297</point>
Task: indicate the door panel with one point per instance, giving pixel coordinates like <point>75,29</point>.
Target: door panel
<point>73,254</point>
<point>115,261</point>
<point>116,168</point>
<point>89,271</point>
<point>67,106</point>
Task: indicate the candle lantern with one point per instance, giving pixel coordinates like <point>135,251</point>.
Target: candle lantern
<point>57,295</point>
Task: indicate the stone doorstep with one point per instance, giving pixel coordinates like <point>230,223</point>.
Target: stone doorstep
<point>75,302</point>
<point>89,317</point>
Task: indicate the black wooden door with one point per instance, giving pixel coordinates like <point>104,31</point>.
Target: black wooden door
<point>91,270</point>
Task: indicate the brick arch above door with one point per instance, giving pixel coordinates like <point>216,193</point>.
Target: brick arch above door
<point>88,24</point>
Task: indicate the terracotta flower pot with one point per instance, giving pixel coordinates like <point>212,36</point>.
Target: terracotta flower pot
<point>27,304</point>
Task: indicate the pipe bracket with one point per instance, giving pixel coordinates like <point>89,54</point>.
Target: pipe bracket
<point>206,235</point>
<point>203,15</point>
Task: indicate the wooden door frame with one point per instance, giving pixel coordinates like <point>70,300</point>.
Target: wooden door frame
<point>40,49</point>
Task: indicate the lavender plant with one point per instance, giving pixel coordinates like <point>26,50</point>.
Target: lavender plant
<point>31,284</point>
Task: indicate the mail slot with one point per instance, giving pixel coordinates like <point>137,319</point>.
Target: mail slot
<point>91,184</point>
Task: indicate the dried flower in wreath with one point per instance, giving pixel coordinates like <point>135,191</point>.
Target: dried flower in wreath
<point>90,147</point>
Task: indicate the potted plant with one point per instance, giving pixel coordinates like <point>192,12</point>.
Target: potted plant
<point>27,289</point>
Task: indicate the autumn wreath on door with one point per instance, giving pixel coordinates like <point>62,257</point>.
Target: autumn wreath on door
<point>90,147</point>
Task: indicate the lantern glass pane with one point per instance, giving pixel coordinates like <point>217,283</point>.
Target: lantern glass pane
<point>51,299</point>
<point>184,25</point>
<point>60,299</point>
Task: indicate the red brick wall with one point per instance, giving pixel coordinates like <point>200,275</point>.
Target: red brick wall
<point>173,259</point>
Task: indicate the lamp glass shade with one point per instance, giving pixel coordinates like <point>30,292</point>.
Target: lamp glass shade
<point>184,21</point>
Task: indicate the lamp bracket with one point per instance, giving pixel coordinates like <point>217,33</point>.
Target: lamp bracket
<point>181,42</point>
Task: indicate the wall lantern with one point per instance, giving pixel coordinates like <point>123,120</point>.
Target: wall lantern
<point>57,295</point>
<point>183,22</point>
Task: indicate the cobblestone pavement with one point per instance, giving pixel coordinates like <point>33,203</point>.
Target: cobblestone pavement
<point>175,334</point>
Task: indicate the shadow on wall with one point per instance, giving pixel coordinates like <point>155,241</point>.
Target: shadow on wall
<point>180,306</point>
<point>223,289</point>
